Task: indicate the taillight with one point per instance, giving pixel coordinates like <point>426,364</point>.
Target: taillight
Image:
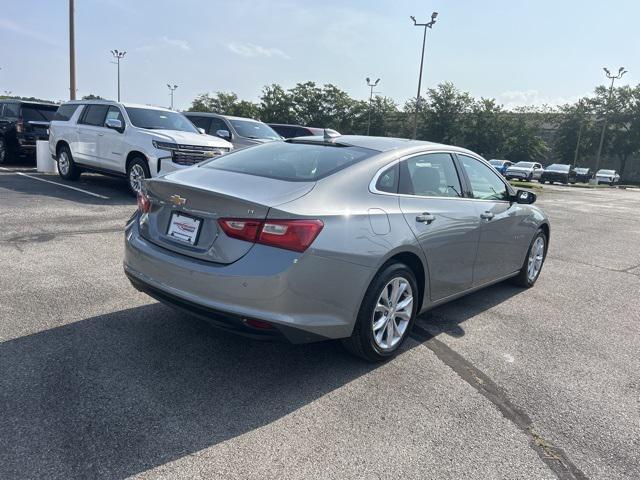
<point>296,235</point>
<point>20,126</point>
<point>144,204</point>
<point>240,228</point>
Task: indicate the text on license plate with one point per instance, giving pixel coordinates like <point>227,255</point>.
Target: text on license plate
<point>184,228</point>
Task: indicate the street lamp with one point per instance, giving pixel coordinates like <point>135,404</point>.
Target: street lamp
<point>172,89</point>
<point>424,40</point>
<point>613,78</point>
<point>118,56</point>
<point>371,86</point>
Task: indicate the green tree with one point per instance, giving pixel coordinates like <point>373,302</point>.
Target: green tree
<point>276,105</point>
<point>522,135</point>
<point>224,103</point>
<point>485,128</point>
<point>444,114</point>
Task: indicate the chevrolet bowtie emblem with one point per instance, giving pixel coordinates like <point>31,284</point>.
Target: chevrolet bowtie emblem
<point>177,200</point>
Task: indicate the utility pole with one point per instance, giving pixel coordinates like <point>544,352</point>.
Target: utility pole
<point>621,72</point>
<point>118,56</point>
<point>371,86</point>
<point>580,112</point>
<point>172,89</point>
<point>424,41</point>
<point>72,51</point>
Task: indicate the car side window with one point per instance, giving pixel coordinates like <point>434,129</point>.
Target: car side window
<point>429,175</point>
<point>217,124</point>
<point>200,122</point>
<point>94,115</point>
<point>485,182</point>
<point>11,110</point>
<point>114,113</point>
<point>388,180</point>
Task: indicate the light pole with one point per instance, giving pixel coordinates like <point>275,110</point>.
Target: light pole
<point>424,40</point>
<point>72,52</point>
<point>172,89</point>
<point>580,112</point>
<point>621,72</point>
<point>371,86</point>
<point>118,56</point>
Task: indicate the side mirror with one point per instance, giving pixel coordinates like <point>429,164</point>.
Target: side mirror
<point>226,134</point>
<point>525,197</point>
<point>114,124</point>
<point>201,130</point>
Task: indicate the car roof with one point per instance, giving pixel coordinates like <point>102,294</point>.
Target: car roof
<point>381,144</point>
<point>217,115</point>
<point>113,102</point>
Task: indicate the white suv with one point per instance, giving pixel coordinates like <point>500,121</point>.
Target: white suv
<point>123,139</point>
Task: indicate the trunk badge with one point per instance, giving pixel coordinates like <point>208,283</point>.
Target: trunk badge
<point>177,200</point>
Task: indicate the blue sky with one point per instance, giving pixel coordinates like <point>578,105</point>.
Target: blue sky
<point>519,51</point>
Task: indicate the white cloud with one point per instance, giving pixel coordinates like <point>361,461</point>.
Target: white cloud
<point>163,42</point>
<point>252,50</point>
<point>522,98</point>
<point>12,27</point>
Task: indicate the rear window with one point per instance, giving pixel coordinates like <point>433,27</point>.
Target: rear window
<point>65,112</point>
<point>558,167</point>
<point>293,162</point>
<point>33,113</point>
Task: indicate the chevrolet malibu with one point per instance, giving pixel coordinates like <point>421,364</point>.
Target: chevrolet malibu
<point>343,237</point>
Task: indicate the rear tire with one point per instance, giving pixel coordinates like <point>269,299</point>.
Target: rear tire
<point>5,154</point>
<point>67,168</point>
<point>533,262</point>
<point>137,172</point>
<point>386,315</point>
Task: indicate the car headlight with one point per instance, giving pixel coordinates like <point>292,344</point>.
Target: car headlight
<point>164,145</point>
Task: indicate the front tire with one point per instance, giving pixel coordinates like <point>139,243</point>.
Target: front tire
<point>137,172</point>
<point>532,266</point>
<point>67,168</point>
<point>386,315</point>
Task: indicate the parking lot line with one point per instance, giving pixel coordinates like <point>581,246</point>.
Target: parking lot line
<point>57,183</point>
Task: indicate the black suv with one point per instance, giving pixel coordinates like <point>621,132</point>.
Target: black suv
<point>21,124</point>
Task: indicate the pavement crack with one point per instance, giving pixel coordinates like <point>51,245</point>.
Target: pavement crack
<point>586,264</point>
<point>48,236</point>
<point>553,456</point>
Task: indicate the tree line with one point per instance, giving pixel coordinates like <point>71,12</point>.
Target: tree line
<point>565,134</point>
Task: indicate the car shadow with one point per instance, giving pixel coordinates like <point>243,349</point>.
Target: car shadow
<point>449,317</point>
<point>120,393</point>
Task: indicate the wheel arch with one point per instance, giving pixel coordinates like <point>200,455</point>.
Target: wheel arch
<point>135,154</point>
<point>60,144</point>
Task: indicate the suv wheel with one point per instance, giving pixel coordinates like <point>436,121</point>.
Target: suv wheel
<point>386,314</point>
<point>4,151</point>
<point>137,171</point>
<point>67,168</point>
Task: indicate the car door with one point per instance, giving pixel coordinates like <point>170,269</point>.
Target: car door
<point>537,171</point>
<point>504,231</point>
<point>111,143</point>
<point>445,223</point>
<point>89,128</point>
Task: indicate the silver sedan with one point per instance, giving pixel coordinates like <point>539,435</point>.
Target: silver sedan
<point>342,237</point>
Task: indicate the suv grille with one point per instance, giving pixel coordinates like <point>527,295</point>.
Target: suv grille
<point>192,154</point>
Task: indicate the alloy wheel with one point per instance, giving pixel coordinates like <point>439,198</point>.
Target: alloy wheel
<point>136,175</point>
<point>392,313</point>
<point>63,163</point>
<point>536,256</point>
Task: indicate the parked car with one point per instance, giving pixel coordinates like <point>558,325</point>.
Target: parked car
<point>22,123</point>
<point>241,132</point>
<point>583,174</point>
<point>607,176</point>
<point>353,268</point>
<point>524,171</point>
<point>560,173</point>
<point>122,139</point>
<point>500,165</point>
<point>294,131</point>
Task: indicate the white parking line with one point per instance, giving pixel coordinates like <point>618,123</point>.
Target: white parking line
<point>57,183</point>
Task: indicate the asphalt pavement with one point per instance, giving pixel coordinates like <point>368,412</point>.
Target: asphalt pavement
<point>100,381</point>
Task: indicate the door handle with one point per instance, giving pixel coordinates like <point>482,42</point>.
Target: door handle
<point>487,215</point>
<point>425,218</point>
<point>101,134</point>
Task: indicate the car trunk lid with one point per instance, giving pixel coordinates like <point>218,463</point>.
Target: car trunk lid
<point>201,196</point>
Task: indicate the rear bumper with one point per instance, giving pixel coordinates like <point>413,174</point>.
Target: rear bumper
<point>305,297</point>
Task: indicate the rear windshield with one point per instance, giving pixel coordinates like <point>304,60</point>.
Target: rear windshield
<point>293,162</point>
<point>582,170</point>
<point>33,113</point>
<point>524,164</point>
<point>606,172</point>
<point>558,167</point>
<point>248,129</point>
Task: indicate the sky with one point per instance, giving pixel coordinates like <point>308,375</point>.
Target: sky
<point>521,52</point>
